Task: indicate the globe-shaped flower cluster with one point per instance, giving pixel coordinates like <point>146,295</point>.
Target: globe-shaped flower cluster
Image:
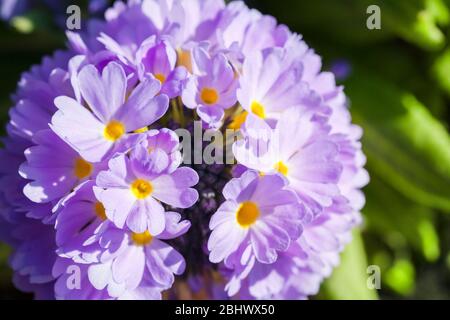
<point>99,201</point>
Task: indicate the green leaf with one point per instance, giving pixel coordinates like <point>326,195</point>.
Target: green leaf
<point>441,71</point>
<point>349,279</point>
<point>401,277</point>
<point>417,21</point>
<point>439,10</point>
<point>399,221</point>
<point>405,145</point>
<point>342,22</point>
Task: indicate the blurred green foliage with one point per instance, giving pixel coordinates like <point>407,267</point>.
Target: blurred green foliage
<point>399,92</point>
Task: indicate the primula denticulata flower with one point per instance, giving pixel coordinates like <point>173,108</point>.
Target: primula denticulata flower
<point>95,175</point>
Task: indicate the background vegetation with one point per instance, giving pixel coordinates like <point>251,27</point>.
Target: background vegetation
<point>398,83</point>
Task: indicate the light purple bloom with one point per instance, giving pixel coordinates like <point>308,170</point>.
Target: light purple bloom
<point>212,89</point>
<point>309,162</point>
<point>270,84</point>
<point>241,31</point>
<point>34,254</point>
<point>9,8</point>
<point>132,260</point>
<point>299,271</point>
<point>54,168</point>
<point>134,186</point>
<point>181,21</point>
<point>160,60</point>
<point>98,182</point>
<point>165,141</point>
<point>252,279</point>
<point>79,224</point>
<point>258,218</point>
<point>107,125</point>
<point>66,287</point>
<point>37,90</point>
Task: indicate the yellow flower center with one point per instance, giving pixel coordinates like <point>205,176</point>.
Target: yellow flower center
<point>282,168</point>
<point>100,210</point>
<point>184,59</point>
<point>82,168</point>
<point>114,130</point>
<point>142,239</point>
<point>209,96</point>
<point>141,130</point>
<point>238,121</point>
<point>258,109</point>
<point>141,189</point>
<point>247,214</point>
<point>160,77</point>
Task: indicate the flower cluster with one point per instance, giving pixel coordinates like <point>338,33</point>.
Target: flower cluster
<point>97,202</point>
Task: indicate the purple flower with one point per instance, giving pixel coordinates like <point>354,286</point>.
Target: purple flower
<point>165,141</point>
<point>308,162</point>
<point>275,230</point>
<point>54,168</point>
<point>37,90</point>
<point>181,21</point>
<point>160,60</point>
<point>241,31</point>
<point>34,254</point>
<point>253,279</point>
<point>11,157</point>
<point>258,218</point>
<point>299,271</point>
<point>270,84</point>
<point>212,88</point>
<point>40,291</point>
<point>341,68</point>
<point>106,124</point>
<point>133,187</point>
<point>10,8</point>
<point>80,223</point>
<point>131,260</point>
<point>66,288</point>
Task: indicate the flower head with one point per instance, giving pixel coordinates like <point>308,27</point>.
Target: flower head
<point>160,60</point>
<point>212,88</point>
<point>107,122</point>
<point>165,141</point>
<point>308,162</point>
<point>92,177</point>
<point>271,83</point>
<point>134,187</point>
<point>259,217</point>
<point>54,168</point>
<point>130,260</point>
